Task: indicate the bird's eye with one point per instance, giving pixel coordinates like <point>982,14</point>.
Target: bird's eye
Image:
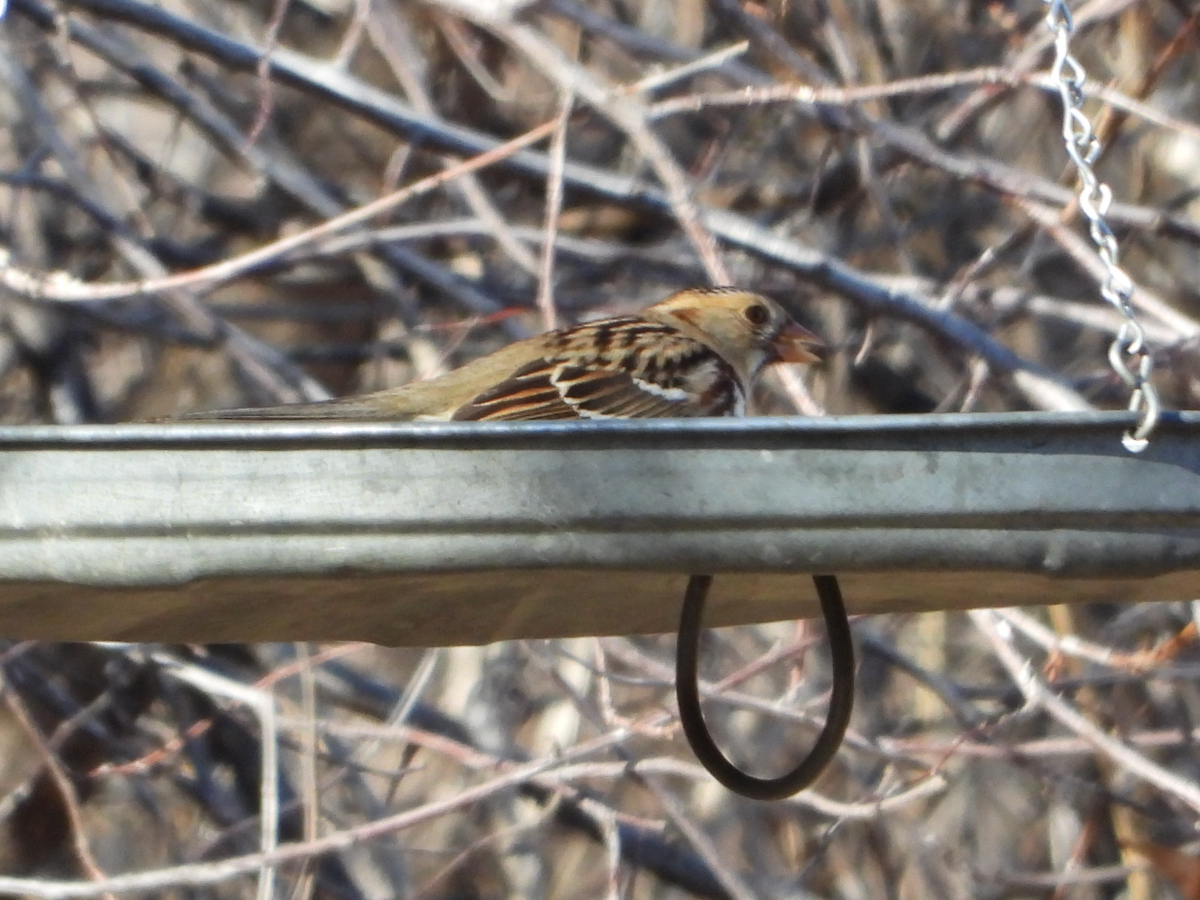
<point>757,315</point>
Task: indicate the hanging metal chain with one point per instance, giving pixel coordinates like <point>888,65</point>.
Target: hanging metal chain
<point>1129,356</point>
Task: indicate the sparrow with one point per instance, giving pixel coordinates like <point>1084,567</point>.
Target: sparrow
<point>695,353</point>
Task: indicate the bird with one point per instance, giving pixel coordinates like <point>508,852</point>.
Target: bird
<point>696,353</point>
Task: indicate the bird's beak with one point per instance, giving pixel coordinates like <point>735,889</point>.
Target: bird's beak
<point>796,344</point>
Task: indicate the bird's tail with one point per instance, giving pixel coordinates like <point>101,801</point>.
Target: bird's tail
<point>352,408</point>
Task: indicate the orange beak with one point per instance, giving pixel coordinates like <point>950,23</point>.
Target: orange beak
<point>796,344</point>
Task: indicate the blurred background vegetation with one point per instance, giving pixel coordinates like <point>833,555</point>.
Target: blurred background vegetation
<point>891,171</point>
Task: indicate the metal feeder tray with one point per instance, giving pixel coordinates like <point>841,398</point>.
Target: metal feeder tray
<point>440,534</point>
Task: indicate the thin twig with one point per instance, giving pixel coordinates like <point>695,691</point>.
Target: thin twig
<point>263,705</point>
<point>554,196</point>
<point>628,115</point>
<point>1038,695</point>
<point>61,288</point>
<point>64,786</point>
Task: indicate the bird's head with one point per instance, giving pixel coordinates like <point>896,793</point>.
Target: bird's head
<point>750,331</point>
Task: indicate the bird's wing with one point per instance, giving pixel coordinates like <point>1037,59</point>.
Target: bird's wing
<point>622,368</point>
<point>552,389</point>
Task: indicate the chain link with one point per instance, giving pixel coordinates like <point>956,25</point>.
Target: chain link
<point>1129,356</point>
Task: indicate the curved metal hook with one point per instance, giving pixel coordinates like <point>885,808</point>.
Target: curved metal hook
<point>841,700</point>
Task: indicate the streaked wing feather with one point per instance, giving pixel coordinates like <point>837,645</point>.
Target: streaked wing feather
<point>604,371</point>
<point>589,393</point>
<point>529,393</point>
<point>600,392</point>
